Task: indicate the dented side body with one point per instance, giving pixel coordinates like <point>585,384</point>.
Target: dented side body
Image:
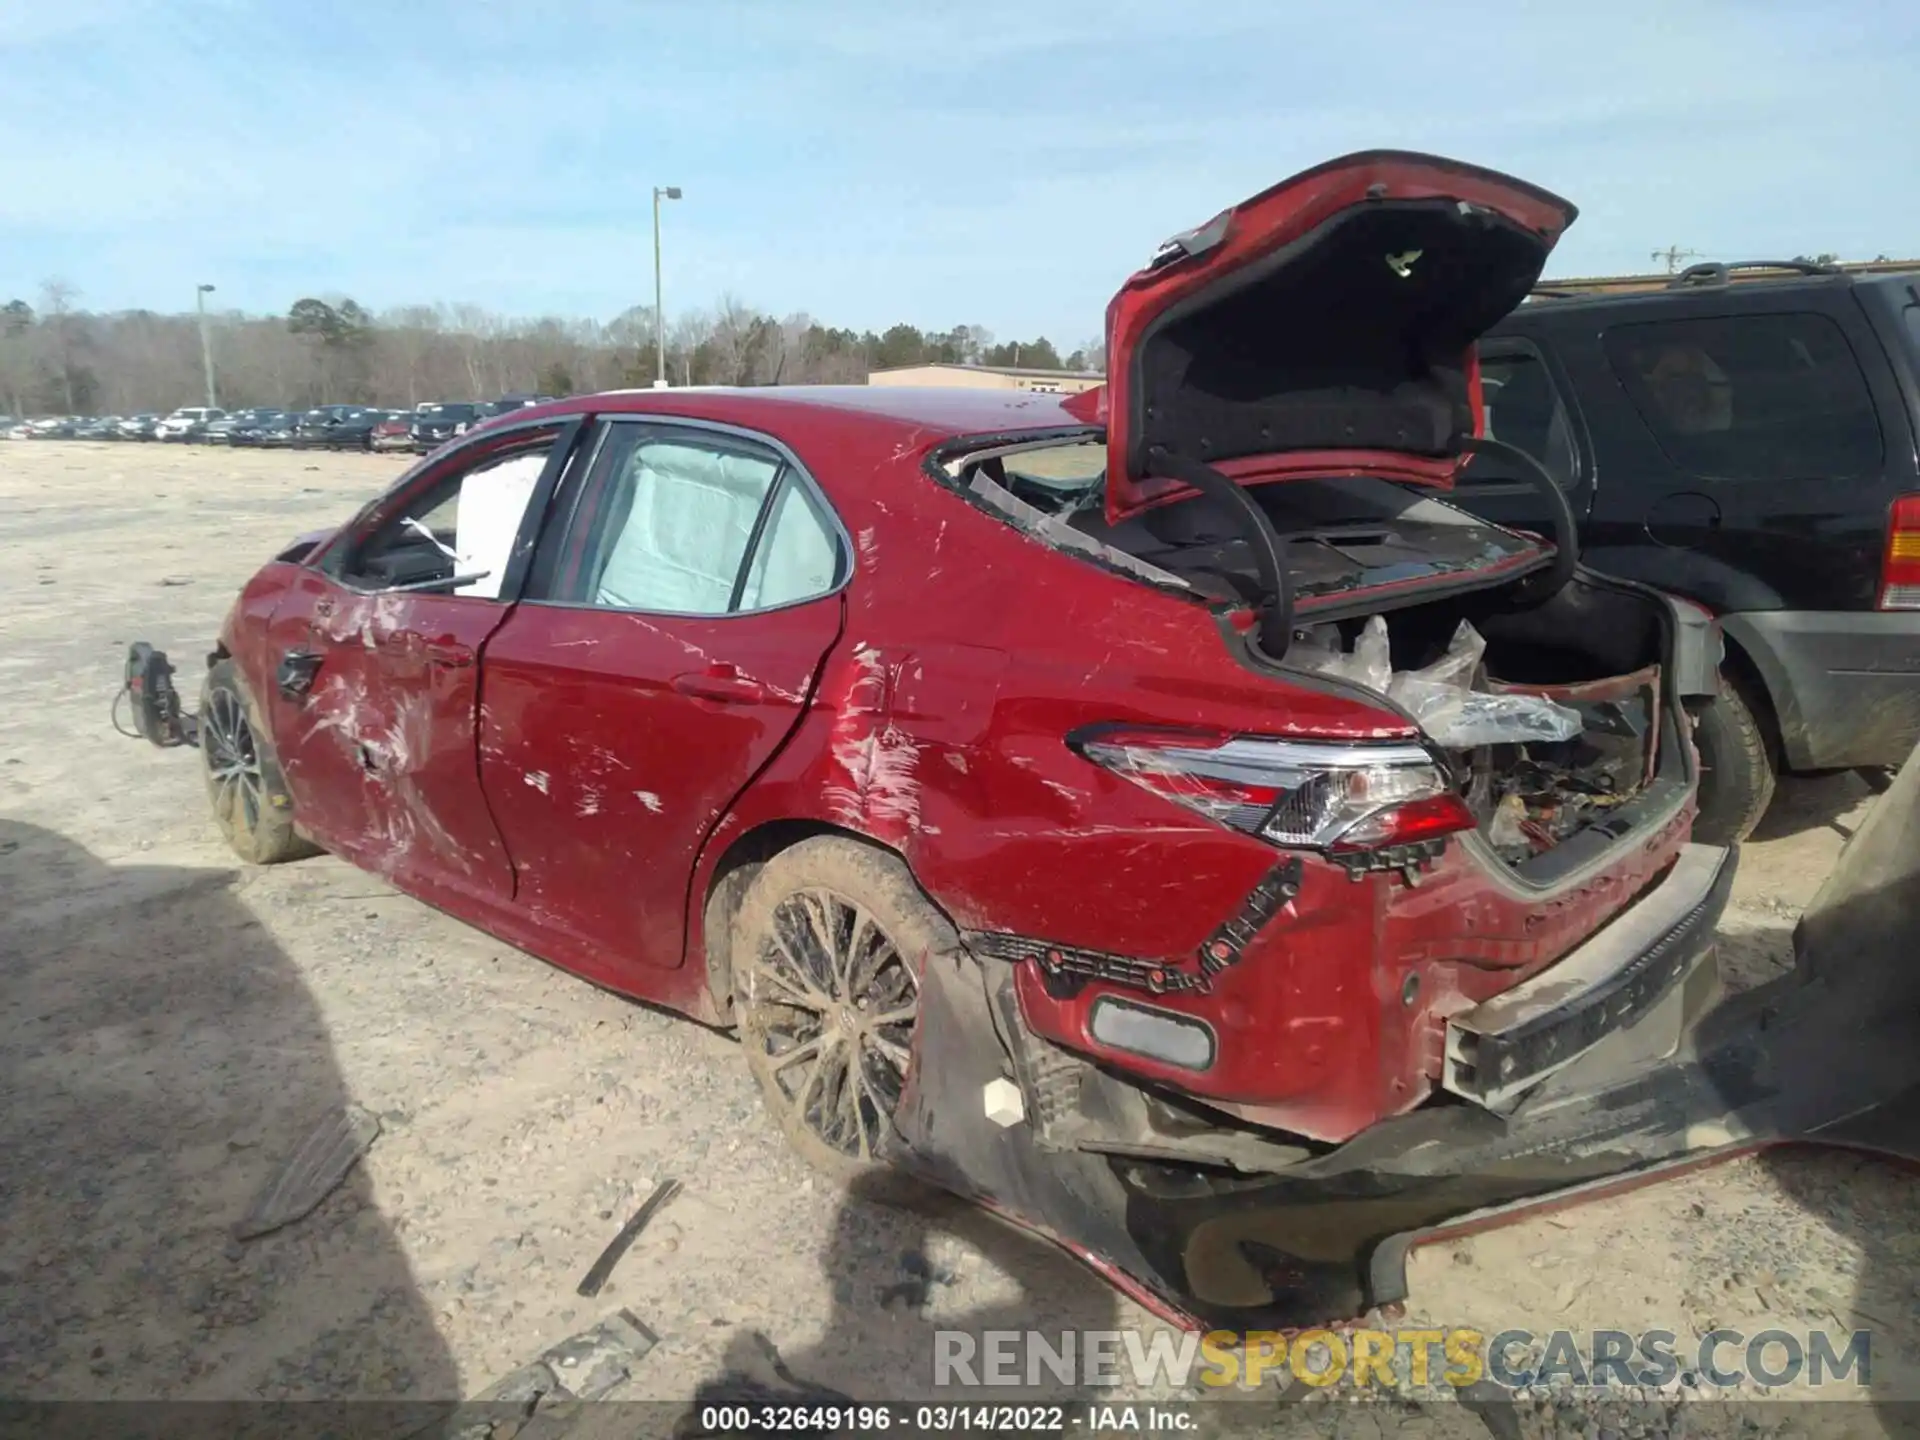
<point>560,792</point>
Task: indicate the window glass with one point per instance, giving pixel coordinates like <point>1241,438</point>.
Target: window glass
<point>463,524</point>
<point>1912,316</point>
<point>797,557</point>
<point>679,516</point>
<point>670,518</point>
<point>1756,397</point>
<point>1523,408</point>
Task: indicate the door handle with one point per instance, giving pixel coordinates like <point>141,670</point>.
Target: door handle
<point>727,687</point>
<point>449,653</point>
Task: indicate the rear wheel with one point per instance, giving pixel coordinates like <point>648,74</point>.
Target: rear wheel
<point>827,955</point>
<point>1736,766</point>
<point>250,800</point>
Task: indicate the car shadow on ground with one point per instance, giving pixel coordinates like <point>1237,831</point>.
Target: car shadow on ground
<point>897,1261</point>
<point>161,1059</point>
<point>1811,802</point>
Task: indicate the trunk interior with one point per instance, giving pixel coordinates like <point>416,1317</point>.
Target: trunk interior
<point>1553,715</point>
<point>1574,745</point>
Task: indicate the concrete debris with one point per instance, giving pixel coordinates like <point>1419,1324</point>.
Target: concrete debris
<point>532,1401</point>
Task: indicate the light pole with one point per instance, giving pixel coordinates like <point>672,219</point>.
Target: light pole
<point>660,192</point>
<point>206,346</point>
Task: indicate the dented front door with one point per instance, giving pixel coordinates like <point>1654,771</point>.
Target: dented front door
<point>375,696</point>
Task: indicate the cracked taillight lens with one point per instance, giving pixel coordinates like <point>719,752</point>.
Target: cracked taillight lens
<point>1310,794</point>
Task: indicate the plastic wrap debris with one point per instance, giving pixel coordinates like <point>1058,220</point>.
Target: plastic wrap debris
<point>1370,664</point>
<point>1439,696</point>
<point>1507,830</point>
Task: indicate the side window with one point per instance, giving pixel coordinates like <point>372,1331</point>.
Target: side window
<point>460,527</point>
<point>1750,397</point>
<point>686,524</point>
<point>1524,408</point>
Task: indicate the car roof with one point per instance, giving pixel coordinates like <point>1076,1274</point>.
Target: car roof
<point>945,410</point>
<point>1547,300</point>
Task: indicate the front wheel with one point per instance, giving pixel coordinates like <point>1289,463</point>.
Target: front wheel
<point>828,950</point>
<point>250,799</point>
<point>1736,767</point>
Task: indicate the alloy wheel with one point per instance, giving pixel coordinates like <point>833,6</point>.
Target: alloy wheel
<point>233,761</point>
<point>832,1005</point>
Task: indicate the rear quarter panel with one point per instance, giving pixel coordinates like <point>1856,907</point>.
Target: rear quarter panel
<point>939,728</point>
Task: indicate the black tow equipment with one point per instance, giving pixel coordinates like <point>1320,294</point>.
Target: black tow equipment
<point>158,716</point>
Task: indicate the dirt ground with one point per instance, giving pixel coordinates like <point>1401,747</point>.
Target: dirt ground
<point>172,1024</point>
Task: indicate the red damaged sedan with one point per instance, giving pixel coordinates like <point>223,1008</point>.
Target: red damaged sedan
<point>1157,814</point>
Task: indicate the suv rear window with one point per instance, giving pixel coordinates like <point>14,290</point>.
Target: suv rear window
<point>1750,397</point>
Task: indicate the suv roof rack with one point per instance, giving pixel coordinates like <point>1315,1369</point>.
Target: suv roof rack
<point>1714,272</point>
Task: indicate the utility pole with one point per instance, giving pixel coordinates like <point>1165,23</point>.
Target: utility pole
<point>670,192</point>
<point>1673,255</point>
<point>206,345</point>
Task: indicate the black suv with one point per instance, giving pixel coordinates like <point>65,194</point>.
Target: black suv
<point>1743,437</point>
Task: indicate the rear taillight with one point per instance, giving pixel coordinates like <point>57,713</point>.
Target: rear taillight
<point>1900,568</point>
<point>1291,792</point>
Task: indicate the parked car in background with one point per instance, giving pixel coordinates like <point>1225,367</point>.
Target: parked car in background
<point>97,427</point>
<point>507,404</point>
<point>1745,438</point>
<point>220,432</point>
<point>435,424</point>
<point>52,427</point>
<point>16,430</point>
<point>354,431</point>
<point>327,427</point>
<point>139,427</point>
<point>258,424</point>
<point>189,422</point>
<point>392,431</point>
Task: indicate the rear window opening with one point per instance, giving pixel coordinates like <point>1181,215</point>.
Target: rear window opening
<point>1354,337</point>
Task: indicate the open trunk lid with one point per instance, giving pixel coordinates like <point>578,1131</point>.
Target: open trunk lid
<point>1326,327</point>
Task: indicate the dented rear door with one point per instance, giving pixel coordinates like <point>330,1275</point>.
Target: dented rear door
<point>680,611</point>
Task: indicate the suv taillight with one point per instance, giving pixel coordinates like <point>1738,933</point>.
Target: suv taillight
<point>1900,568</point>
<point>1311,794</point>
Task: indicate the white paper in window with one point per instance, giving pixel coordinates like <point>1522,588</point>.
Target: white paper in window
<point>487,517</point>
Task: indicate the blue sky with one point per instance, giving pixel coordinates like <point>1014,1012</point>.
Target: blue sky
<point>991,163</point>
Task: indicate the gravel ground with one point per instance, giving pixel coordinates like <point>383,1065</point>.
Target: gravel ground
<point>173,1025</point>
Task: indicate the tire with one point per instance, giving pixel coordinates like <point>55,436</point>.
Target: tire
<point>249,796</point>
<point>793,993</point>
<point>1736,766</point>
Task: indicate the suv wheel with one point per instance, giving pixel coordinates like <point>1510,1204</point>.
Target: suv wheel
<point>1736,766</point>
<point>827,954</point>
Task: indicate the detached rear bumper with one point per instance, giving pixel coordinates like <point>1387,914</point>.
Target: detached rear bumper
<point>1626,1067</point>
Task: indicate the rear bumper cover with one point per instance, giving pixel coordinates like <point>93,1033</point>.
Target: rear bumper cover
<point>1845,684</point>
<point>1638,1070</point>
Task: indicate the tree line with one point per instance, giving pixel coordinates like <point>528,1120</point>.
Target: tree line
<point>58,358</point>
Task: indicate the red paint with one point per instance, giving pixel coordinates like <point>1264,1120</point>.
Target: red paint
<point>607,769</point>
<point>1260,228</point>
<point>380,755</point>
<point>926,705</point>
